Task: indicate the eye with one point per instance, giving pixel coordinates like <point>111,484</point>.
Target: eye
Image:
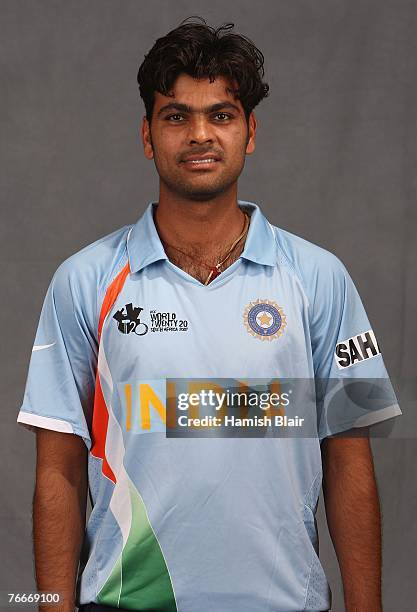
<point>169,117</point>
<point>224,115</point>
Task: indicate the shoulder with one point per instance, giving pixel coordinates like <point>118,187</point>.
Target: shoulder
<point>96,262</point>
<point>319,271</point>
<point>81,280</point>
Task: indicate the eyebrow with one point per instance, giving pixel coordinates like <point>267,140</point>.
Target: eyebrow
<point>189,109</point>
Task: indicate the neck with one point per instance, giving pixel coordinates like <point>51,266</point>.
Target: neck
<point>197,225</point>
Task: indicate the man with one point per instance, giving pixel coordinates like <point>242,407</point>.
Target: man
<point>201,287</point>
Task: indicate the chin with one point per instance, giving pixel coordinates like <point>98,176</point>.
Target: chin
<point>204,192</point>
<point>199,192</point>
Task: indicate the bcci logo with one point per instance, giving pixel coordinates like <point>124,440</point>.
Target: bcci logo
<point>128,320</point>
<point>264,319</point>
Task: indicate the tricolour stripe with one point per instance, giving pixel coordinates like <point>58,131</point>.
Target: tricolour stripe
<point>100,411</point>
<point>139,578</point>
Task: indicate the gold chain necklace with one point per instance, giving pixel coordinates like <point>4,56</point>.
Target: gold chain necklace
<point>215,270</point>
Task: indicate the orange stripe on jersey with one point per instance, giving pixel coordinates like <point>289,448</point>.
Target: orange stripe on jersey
<point>99,432</point>
<point>100,411</point>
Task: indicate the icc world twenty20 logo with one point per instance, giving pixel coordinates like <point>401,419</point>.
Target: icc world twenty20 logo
<point>128,320</point>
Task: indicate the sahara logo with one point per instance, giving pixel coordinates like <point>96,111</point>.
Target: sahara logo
<point>356,349</point>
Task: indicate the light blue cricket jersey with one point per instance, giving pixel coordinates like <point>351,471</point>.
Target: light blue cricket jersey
<point>213,524</point>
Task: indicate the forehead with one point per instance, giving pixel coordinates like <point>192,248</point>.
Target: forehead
<point>198,92</point>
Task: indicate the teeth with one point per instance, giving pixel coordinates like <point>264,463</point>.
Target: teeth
<point>201,161</point>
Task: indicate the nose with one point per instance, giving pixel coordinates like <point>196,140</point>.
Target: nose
<point>199,130</point>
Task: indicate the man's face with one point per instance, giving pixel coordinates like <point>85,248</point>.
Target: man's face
<point>201,121</point>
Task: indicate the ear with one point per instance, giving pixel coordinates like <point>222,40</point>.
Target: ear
<point>146,138</point>
<point>250,147</point>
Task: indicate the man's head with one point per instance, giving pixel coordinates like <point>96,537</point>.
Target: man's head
<point>200,86</point>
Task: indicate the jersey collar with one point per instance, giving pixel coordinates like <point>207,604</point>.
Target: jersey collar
<point>144,246</point>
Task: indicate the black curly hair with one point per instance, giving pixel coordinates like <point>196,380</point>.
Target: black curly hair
<point>201,51</point>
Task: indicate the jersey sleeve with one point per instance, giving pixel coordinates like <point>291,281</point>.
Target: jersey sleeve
<point>60,384</point>
<point>353,388</point>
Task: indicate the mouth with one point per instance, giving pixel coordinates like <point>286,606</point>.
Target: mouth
<point>199,163</point>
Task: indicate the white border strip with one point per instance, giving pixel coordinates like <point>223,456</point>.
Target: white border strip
<point>378,415</point>
<point>27,418</point>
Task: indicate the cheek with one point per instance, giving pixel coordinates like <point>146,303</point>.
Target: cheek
<point>237,141</point>
<point>164,155</point>
<point>237,149</point>
<point>166,143</point>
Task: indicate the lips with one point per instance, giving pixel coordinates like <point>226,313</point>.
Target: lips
<point>206,158</point>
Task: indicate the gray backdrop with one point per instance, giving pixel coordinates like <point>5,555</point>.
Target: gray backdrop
<point>335,163</point>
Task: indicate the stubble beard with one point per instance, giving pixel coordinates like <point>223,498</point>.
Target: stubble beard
<point>199,193</point>
<point>175,183</point>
